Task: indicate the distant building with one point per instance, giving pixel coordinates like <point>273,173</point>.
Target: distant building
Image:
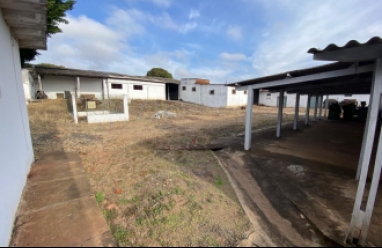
<point>55,81</point>
<point>200,91</point>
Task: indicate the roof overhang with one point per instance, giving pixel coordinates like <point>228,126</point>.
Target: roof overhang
<point>27,20</point>
<point>353,51</point>
<point>355,79</point>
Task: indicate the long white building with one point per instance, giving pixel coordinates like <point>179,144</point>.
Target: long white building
<point>55,81</point>
<point>199,91</point>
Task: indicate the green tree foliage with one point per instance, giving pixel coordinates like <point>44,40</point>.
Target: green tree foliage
<point>50,65</point>
<point>55,15</point>
<point>159,72</point>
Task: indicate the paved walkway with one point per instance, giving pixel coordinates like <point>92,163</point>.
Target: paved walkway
<point>58,207</point>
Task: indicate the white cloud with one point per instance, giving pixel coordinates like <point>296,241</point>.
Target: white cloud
<point>235,32</point>
<point>186,28</point>
<point>193,14</point>
<point>233,56</point>
<point>308,24</point>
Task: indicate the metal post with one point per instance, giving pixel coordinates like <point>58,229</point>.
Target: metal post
<point>296,111</point>
<point>367,148</point>
<point>308,110</point>
<point>315,109</point>
<point>326,106</point>
<point>280,115</point>
<point>248,120</point>
<point>321,102</point>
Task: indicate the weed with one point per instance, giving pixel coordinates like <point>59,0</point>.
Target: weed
<point>219,182</point>
<point>100,197</point>
<point>121,235</point>
<point>109,215</point>
<point>135,199</point>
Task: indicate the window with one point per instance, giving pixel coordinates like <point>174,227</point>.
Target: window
<point>269,94</point>
<point>194,89</point>
<point>348,95</point>
<point>138,87</point>
<point>233,92</point>
<point>116,86</point>
<point>212,92</point>
<point>245,92</point>
<point>184,88</point>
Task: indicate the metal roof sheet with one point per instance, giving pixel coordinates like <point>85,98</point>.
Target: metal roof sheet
<point>98,74</point>
<point>350,44</point>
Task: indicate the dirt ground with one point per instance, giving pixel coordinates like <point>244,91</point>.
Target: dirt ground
<point>152,197</point>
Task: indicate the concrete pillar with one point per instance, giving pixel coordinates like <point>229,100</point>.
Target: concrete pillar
<point>308,110</point>
<point>296,111</point>
<point>78,87</point>
<point>248,120</point>
<point>361,219</point>
<point>75,115</point>
<point>321,102</point>
<point>326,107</point>
<point>39,83</point>
<point>126,106</point>
<point>280,114</point>
<point>315,109</point>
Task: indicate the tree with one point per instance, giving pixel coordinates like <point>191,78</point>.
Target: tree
<point>55,15</point>
<point>159,72</point>
<point>50,65</point>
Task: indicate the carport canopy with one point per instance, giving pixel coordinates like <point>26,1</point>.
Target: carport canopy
<point>358,70</point>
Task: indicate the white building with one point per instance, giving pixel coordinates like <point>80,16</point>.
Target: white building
<point>271,99</point>
<point>55,81</point>
<point>17,29</point>
<point>212,95</point>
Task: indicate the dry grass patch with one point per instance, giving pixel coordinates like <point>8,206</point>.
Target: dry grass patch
<point>151,197</point>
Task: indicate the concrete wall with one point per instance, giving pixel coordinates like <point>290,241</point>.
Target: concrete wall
<point>217,100</point>
<point>16,153</point>
<point>150,91</point>
<point>52,85</point>
<point>91,86</point>
<point>239,98</point>
<point>28,85</point>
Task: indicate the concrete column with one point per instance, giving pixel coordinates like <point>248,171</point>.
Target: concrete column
<point>280,114</point>
<point>78,87</point>
<point>248,120</point>
<point>296,111</point>
<point>308,110</point>
<point>75,115</point>
<point>126,106</point>
<point>358,215</point>
<point>315,109</point>
<point>326,107</point>
<point>321,103</point>
<point>39,83</point>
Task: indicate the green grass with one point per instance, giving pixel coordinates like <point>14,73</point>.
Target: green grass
<point>100,197</point>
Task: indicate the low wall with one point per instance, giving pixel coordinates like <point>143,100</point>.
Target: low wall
<point>100,118</point>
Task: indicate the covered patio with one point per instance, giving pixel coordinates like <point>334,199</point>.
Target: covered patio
<point>357,70</point>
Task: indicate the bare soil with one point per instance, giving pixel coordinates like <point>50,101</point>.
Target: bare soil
<point>153,197</point>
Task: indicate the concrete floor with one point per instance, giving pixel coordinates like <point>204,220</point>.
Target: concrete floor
<point>301,186</point>
<point>58,207</point>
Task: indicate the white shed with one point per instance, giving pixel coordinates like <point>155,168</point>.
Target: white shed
<point>211,95</point>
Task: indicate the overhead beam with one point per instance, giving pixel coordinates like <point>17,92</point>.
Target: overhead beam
<point>23,5</point>
<point>23,18</point>
<point>29,33</point>
<point>355,54</point>
<point>33,44</point>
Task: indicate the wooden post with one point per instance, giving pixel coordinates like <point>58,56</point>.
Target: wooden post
<point>296,111</point>
<point>248,120</point>
<point>326,106</point>
<point>360,216</point>
<point>315,109</point>
<point>280,115</point>
<point>308,110</point>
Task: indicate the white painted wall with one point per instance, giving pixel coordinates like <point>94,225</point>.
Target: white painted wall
<point>52,85</point>
<point>222,97</point>
<point>270,99</point>
<point>28,85</point>
<point>16,153</point>
<point>91,86</point>
<point>150,91</point>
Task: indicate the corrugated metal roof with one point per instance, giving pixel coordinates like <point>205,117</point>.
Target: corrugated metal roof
<point>351,44</point>
<point>98,74</point>
<point>294,73</point>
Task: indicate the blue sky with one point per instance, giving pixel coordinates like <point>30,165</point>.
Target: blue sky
<point>221,40</point>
